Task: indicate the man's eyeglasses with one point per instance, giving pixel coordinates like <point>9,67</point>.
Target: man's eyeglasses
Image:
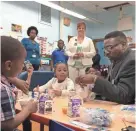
<point>110,47</point>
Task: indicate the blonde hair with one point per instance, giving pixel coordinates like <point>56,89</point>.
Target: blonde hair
<point>81,23</point>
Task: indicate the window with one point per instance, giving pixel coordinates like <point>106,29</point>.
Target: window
<point>45,15</point>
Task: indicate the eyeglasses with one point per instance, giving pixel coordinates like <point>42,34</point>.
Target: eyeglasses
<point>110,47</point>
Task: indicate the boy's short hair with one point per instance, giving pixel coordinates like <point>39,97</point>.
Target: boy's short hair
<point>11,49</point>
<point>60,41</point>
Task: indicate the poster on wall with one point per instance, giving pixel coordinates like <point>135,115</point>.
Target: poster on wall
<point>51,47</point>
<point>16,35</point>
<point>16,28</point>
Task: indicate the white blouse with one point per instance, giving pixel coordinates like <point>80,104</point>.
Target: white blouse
<point>65,86</point>
<point>88,50</point>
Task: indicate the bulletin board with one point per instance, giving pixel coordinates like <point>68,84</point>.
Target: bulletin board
<point>43,45</point>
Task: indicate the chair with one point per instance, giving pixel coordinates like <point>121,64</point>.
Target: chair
<point>55,126</point>
<point>38,78</point>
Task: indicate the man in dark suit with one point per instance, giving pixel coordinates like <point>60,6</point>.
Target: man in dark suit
<point>120,85</point>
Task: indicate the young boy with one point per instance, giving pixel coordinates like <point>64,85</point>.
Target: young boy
<point>12,59</point>
<point>59,54</point>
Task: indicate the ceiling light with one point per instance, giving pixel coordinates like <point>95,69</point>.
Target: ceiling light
<point>73,14</point>
<point>50,4</point>
<point>59,8</point>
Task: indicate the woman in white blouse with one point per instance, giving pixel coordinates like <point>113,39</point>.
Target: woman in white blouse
<point>80,50</point>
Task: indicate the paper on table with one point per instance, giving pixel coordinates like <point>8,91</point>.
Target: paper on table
<point>81,125</point>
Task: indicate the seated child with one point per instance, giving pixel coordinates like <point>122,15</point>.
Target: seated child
<point>91,95</point>
<point>90,70</point>
<point>60,84</point>
<point>13,56</point>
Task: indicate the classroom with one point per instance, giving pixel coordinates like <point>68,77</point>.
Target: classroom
<point>67,65</point>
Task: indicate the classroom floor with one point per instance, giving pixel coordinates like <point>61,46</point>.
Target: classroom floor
<point>35,127</point>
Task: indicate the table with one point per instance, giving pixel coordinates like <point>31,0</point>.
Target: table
<point>57,114</point>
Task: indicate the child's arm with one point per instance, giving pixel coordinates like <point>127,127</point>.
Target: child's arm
<point>18,119</point>
<point>20,84</point>
<point>9,119</point>
<point>70,86</point>
<point>30,72</point>
<point>42,88</point>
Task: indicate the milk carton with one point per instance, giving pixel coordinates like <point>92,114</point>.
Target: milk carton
<point>45,104</point>
<point>74,106</point>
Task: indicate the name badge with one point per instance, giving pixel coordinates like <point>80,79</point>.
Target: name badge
<point>34,56</point>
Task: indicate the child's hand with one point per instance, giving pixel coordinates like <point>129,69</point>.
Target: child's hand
<point>32,106</point>
<point>36,89</point>
<point>57,92</point>
<point>30,70</point>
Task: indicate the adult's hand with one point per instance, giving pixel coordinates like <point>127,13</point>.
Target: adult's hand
<point>80,54</point>
<point>76,56</point>
<point>86,79</point>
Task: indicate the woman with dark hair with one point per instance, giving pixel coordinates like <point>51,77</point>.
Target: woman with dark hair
<point>32,47</point>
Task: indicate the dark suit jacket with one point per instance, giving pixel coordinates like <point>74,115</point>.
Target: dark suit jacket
<point>120,85</point>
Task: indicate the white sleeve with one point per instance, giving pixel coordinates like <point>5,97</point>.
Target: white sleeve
<point>70,86</point>
<point>82,91</point>
<point>91,53</point>
<point>48,85</point>
<point>68,52</point>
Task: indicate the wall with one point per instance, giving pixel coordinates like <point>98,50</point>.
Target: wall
<point>26,14</point>
<point>72,29</point>
<point>110,19</point>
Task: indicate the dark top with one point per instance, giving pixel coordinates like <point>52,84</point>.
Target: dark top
<point>96,61</point>
<point>120,84</point>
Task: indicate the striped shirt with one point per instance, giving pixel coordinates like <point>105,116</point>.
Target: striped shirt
<point>7,100</point>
